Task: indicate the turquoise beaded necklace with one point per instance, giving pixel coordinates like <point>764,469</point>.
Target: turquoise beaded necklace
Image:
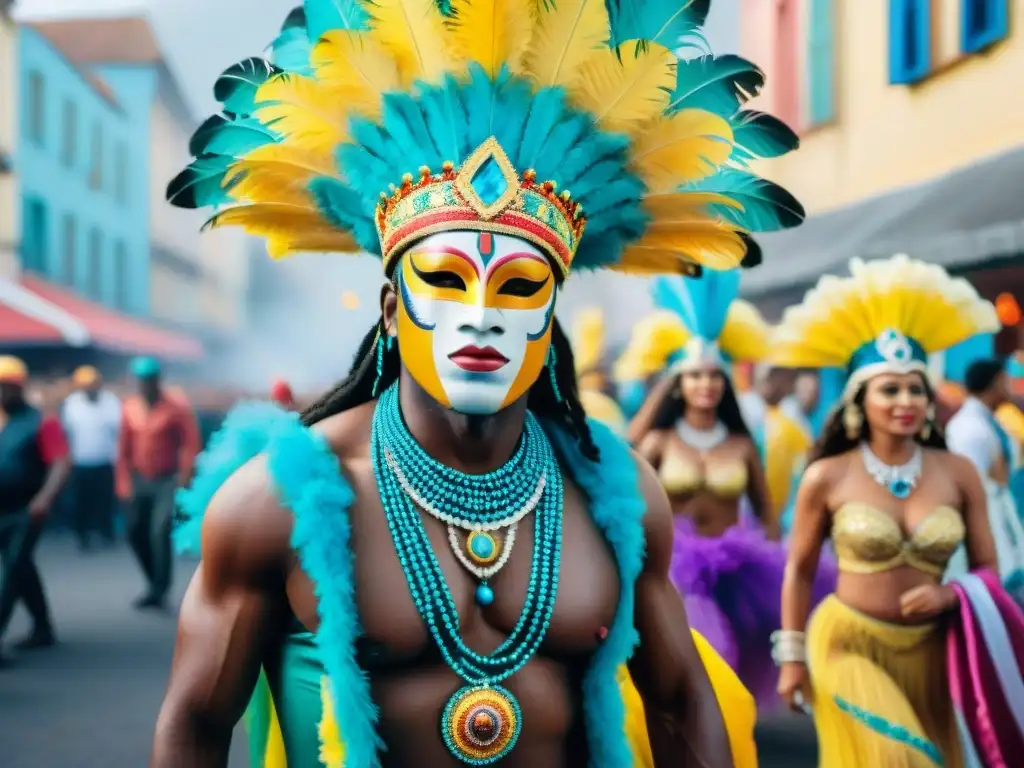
<point>482,720</point>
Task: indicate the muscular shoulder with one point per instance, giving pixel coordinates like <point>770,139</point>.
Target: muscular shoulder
<point>246,530</point>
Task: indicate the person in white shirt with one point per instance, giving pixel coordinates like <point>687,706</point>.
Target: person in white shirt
<point>92,419</point>
<point>974,433</point>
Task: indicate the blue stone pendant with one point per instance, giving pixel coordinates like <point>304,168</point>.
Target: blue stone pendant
<point>482,548</point>
<point>484,595</point>
<point>900,488</point>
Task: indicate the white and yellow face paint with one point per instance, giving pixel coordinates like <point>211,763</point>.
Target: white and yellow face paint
<point>474,318</point>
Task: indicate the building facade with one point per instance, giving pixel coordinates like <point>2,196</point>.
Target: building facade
<point>910,129</point>
<point>82,196</point>
<point>10,218</point>
<point>196,282</point>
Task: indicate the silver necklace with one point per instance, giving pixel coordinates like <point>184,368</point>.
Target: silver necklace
<point>900,480</point>
<point>702,440</point>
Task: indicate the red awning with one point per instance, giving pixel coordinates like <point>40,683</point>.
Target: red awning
<point>112,330</point>
<point>19,329</point>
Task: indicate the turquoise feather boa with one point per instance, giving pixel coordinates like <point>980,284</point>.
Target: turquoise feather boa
<point>308,481</point>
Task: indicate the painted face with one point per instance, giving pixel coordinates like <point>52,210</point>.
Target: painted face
<point>896,404</point>
<point>702,387</point>
<point>474,318</point>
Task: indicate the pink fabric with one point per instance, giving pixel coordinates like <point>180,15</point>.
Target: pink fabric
<point>975,686</point>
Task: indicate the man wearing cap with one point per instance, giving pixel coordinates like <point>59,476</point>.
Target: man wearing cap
<point>158,442</point>
<point>34,466</point>
<point>92,418</point>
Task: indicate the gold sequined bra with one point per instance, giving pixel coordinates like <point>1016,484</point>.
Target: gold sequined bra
<point>869,541</point>
<point>681,477</point>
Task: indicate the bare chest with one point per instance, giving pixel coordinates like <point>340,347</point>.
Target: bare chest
<point>394,632</point>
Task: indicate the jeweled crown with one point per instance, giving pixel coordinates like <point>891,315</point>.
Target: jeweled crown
<point>485,194</point>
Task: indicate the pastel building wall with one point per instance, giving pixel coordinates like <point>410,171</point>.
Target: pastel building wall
<point>10,218</point>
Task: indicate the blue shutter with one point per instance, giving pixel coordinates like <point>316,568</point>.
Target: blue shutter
<point>996,26</point>
<point>821,62</point>
<point>910,41</point>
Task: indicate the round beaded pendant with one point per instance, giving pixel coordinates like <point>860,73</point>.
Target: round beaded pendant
<point>482,548</point>
<point>481,724</point>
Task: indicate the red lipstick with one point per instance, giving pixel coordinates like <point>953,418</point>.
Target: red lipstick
<point>478,359</point>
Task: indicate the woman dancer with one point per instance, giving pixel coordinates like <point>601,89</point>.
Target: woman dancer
<point>690,428</point>
<point>735,701</point>
<point>897,505</point>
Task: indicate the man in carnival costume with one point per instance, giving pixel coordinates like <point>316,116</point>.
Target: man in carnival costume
<point>364,556</point>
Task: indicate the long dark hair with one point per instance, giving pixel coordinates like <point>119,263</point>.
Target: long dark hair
<point>673,408</point>
<point>834,440</point>
<point>358,388</point>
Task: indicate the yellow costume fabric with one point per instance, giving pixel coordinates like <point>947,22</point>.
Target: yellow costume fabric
<point>894,672</point>
<point>786,447</point>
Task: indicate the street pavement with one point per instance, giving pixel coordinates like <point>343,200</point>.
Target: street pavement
<point>91,702</point>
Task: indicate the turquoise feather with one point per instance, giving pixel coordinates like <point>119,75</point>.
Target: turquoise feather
<point>222,135</point>
<point>766,206</point>
<point>671,23</point>
<point>324,15</point>
<point>718,84</point>
<point>236,88</point>
<point>703,304</point>
<point>201,183</point>
<point>760,135</point>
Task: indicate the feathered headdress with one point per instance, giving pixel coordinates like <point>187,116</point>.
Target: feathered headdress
<point>887,316</point>
<point>373,124</point>
<point>720,328</point>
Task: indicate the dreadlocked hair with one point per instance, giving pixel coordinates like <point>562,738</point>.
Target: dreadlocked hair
<point>363,384</point>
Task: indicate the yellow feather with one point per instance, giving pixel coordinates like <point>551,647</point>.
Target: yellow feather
<point>746,335</point>
<point>588,339</point>
<point>567,33</point>
<point>491,32</point>
<point>335,241</point>
<point>708,242</point>
<point>668,204</point>
<point>681,148</point>
<point>277,173</point>
<point>645,261</point>
<point>286,224</point>
<point>413,32</point>
<point>356,64</point>
<point>626,88</point>
<point>304,110</point>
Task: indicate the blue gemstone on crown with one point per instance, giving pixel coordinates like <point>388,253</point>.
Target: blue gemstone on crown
<point>489,182</point>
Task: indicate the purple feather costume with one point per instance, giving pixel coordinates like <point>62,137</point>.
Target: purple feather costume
<point>732,588</point>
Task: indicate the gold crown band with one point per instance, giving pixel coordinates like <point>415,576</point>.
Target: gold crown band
<point>460,199</point>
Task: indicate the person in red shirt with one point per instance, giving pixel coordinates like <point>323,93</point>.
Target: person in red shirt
<point>158,443</point>
<point>34,466</point>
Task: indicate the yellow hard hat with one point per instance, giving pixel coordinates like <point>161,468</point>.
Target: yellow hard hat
<point>12,370</point>
<point>85,376</point>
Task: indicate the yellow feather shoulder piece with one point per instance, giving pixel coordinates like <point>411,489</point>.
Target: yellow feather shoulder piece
<point>746,335</point>
<point>652,342</point>
<point>588,339</point>
<point>840,314</point>
<point>493,34</point>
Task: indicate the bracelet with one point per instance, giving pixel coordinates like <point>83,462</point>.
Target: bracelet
<point>788,647</point>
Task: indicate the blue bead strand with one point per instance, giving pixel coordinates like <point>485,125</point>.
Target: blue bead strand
<point>427,584</point>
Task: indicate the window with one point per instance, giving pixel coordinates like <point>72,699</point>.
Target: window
<point>119,275</point>
<point>34,243</point>
<point>67,271</point>
<point>96,167</point>
<point>69,140</point>
<point>121,174</point>
<point>910,41</point>
<point>786,77</point>
<point>982,23</point>
<point>821,106</point>
<point>94,274</point>
<point>36,107</point>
